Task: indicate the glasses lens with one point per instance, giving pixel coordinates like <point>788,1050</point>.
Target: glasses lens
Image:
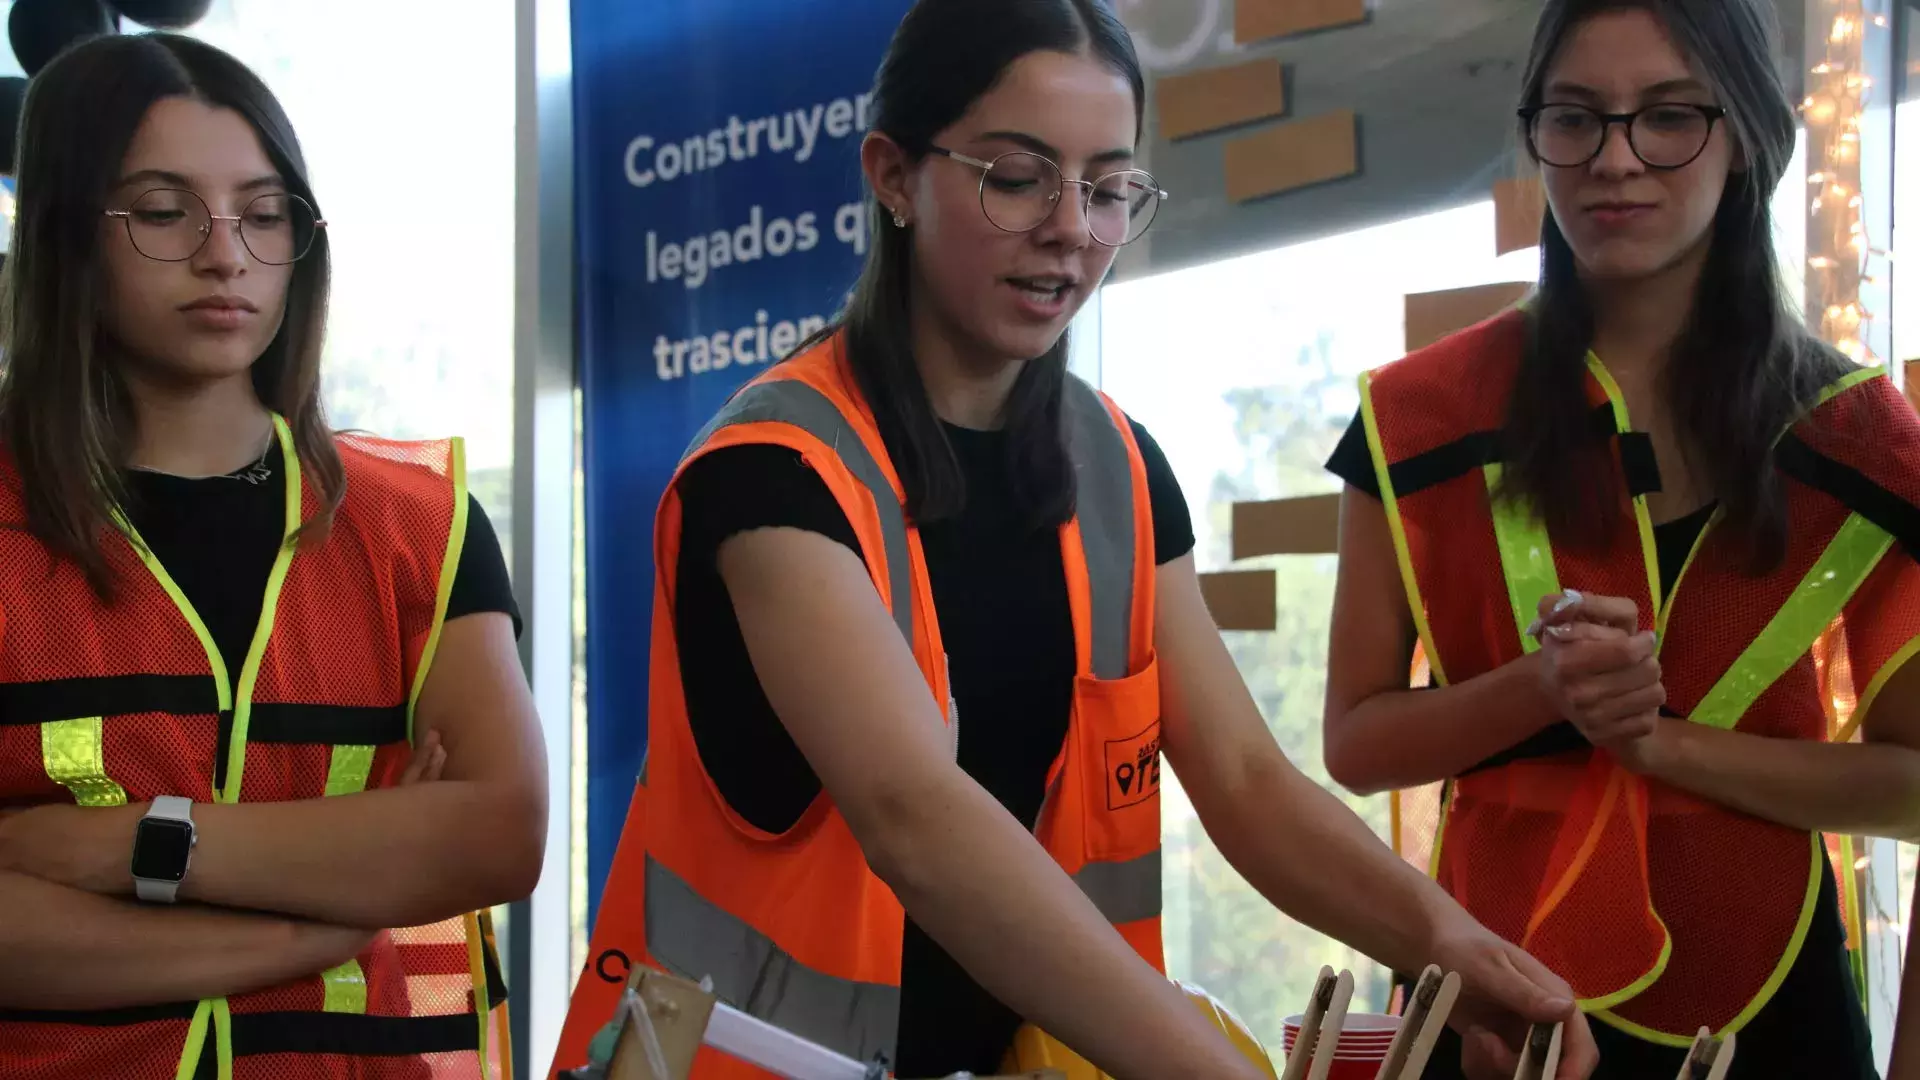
<point>1019,191</point>
<point>1670,135</point>
<point>278,228</point>
<point>168,224</point>
<point>1567,135</point>
<point>1121,206</point>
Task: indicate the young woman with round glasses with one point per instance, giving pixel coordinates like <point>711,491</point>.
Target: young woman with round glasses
<point>1654,541</point>
<point>259,697</point>
<point>928,617</point>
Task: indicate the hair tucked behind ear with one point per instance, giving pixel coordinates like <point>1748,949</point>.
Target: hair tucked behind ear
<point>945,55</point>
<point>65,417</point>
<point>1744,366</point>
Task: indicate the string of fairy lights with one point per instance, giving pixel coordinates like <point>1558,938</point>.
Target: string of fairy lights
<point>1838,245</point>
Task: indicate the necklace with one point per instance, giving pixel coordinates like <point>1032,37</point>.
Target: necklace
<point>255,474</point>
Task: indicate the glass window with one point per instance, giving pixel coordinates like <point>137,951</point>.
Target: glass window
<point>406,117</point>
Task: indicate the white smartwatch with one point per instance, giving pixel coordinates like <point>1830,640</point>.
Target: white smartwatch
<point>162,848</point>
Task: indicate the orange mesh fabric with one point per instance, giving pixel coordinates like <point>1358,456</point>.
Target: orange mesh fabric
<point>61,1051</point>
<point>354,616</point>
<point>1882,627</point>
<point>1571,856</point>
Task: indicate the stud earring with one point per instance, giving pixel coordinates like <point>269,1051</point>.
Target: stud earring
<point>899,220</point>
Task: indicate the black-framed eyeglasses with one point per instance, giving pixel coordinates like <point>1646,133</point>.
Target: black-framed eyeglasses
<point>173,224</point>
<point>1668,135</point>
<point>1019,191</point>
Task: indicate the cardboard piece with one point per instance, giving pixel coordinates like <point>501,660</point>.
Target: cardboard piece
<point>1220,97</point>
<point>1913,382</point>
<point>1309,525</point>
<point>1241,599</point>
<point>1519,206</point>
<point>1259,20</point>
<point>1432,316</point>
<point>1293,155</point>
<point>663,1023</point>
<point>678,1011</point>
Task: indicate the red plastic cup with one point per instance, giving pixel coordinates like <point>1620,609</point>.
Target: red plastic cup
<point>1365,1039</point>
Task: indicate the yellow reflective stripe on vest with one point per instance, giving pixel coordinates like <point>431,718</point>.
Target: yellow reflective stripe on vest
<point>348,769</point>
<point>73,753</point>
<point>1402,553</point>
<point>263,632</point>
<point>794,403</point>
<point>1526,557</point>
<point>1642,518</point>
<point>346,988</point>
<point>1850,556</point>
<point>196,1042</point>
<point>695,939</point>
<point>1124,892</point>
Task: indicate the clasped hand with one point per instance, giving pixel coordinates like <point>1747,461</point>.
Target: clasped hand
<point>1599,670</point>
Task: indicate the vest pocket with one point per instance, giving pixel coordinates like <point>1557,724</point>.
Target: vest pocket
<point>1117,730</point>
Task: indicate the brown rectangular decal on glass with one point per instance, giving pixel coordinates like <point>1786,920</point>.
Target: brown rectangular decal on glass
<point>1304,526</point>
<point>1518,206</point>
<point>1204,101</point>
<point>1258,20</point>
<point>1293,155</point>
<point>1240,599</point>
<point>1432,316</point>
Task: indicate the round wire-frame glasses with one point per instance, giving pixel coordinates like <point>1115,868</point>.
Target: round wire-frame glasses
<point>1020,190</point>
<point>174,224</point>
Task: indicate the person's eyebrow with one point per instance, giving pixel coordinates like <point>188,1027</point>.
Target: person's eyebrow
<point>1047,150</point>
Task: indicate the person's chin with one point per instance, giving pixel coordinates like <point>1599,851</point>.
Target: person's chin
<point>1025,342</point>
<point>1622,262</point>
<point>211,363</point>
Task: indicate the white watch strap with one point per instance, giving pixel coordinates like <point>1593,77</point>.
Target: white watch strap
<point>156,892</point>
<point>171,807</point>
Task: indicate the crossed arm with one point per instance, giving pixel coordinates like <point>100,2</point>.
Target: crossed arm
<point>279,890</point>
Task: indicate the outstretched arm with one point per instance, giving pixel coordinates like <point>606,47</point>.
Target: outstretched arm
<point>1325,868</point>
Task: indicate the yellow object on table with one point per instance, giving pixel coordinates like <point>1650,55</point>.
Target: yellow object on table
<point>1035,1049</point>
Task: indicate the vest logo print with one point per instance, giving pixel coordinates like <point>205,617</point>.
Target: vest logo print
<point>1133,768</point>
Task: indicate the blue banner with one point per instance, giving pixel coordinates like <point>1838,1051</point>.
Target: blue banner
<point>717,195</point>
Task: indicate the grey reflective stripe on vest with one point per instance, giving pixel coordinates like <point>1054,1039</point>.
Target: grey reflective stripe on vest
<point>694,939</point>
<point>1103,480</point>
<point>789,401</point>
<point>1123,891</point>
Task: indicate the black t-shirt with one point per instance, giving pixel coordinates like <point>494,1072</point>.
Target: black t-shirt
<point>1815,1024</point>
<point>1000,589</point>
<point>218,537</point>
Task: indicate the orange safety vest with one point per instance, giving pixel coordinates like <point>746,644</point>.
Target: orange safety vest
<point>1665,912</point>
<point>796,929</point>
<point>106,704</point>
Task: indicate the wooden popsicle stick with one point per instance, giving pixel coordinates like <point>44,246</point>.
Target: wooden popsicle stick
<point>1419,1000</point>
<point>1708,1059</point>
<point>1431,1027</point>
<point>1317,1004</point>
<point>1723,1060</point>
<point>1541,1056</point>
<point>1331,1025</point>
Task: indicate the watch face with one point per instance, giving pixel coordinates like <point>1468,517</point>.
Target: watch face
<point>160,850</point>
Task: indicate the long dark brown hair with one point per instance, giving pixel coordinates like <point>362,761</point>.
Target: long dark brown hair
<point>945,55</point>
<point>65,415</point>
<point>1744,366</point>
